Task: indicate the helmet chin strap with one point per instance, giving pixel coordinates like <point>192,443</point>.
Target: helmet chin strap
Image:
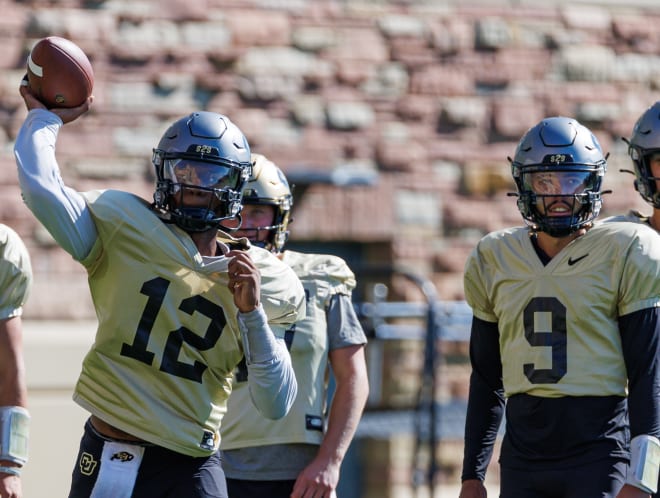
<point>275,240</point>
<point>265,244</point>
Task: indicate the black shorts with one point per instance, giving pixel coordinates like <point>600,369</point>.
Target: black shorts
<point>239,488</point>
<point>601,479</point>
<point>110,468</point>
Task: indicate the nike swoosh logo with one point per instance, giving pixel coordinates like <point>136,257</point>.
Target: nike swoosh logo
<point>572,261</point>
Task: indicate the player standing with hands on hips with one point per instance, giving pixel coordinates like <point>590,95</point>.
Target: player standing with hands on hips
<point>15,286</point>
<point>179,304</point>
<point>565,334</point>
<point>252,446</point>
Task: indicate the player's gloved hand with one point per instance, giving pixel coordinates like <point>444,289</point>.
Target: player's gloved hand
<point>244,281</point>
<point>66,114</point>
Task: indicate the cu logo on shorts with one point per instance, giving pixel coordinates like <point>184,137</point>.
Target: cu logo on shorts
<point>122,456</point>
<point>87,464</point>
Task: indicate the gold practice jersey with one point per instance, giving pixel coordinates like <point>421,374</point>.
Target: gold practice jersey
<point>322,277</point>
<point>550,333</point>
<point>15,273</point>
<point>168,339</point>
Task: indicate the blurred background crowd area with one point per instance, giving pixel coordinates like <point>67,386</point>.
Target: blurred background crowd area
<point>393,119</point>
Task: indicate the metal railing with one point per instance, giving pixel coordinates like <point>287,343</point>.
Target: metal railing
<point>437,321</point>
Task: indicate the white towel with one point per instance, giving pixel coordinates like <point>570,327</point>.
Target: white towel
<point>120,463</point>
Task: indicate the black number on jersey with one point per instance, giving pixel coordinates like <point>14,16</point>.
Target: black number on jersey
<point>156,290</point>
<point>555,338</point>
<point>241,372</point>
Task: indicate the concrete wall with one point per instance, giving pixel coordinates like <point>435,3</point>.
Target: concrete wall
<point>53,355</point>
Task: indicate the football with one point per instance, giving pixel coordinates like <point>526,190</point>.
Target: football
<point>59,72</point>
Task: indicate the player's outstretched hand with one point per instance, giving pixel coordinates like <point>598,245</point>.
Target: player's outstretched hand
<point>66,114</point>
<point>244,281</point>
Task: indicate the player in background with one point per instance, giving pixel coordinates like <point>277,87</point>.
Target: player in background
<point>15,285</point>
<point>565,334</point>
<point>644,150</point>
<point>179,304</point>
<point>298,455</point>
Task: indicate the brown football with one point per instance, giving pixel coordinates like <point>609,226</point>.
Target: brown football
<point>59,72</point>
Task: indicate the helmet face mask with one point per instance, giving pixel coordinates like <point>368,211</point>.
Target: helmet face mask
<point>643,145</point>
<point>267,186</point>
<point>201,163</point>
<point>558,169</point>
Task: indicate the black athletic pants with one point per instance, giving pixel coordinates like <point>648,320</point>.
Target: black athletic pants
<point>161,473</point>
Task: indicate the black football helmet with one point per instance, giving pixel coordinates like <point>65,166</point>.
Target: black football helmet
<point>202,153</point>
<point>642,145</point>
<point>561,148</point>
<point>268,186</point>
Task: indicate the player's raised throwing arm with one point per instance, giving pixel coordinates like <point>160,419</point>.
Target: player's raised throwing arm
<point>60,209</point>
